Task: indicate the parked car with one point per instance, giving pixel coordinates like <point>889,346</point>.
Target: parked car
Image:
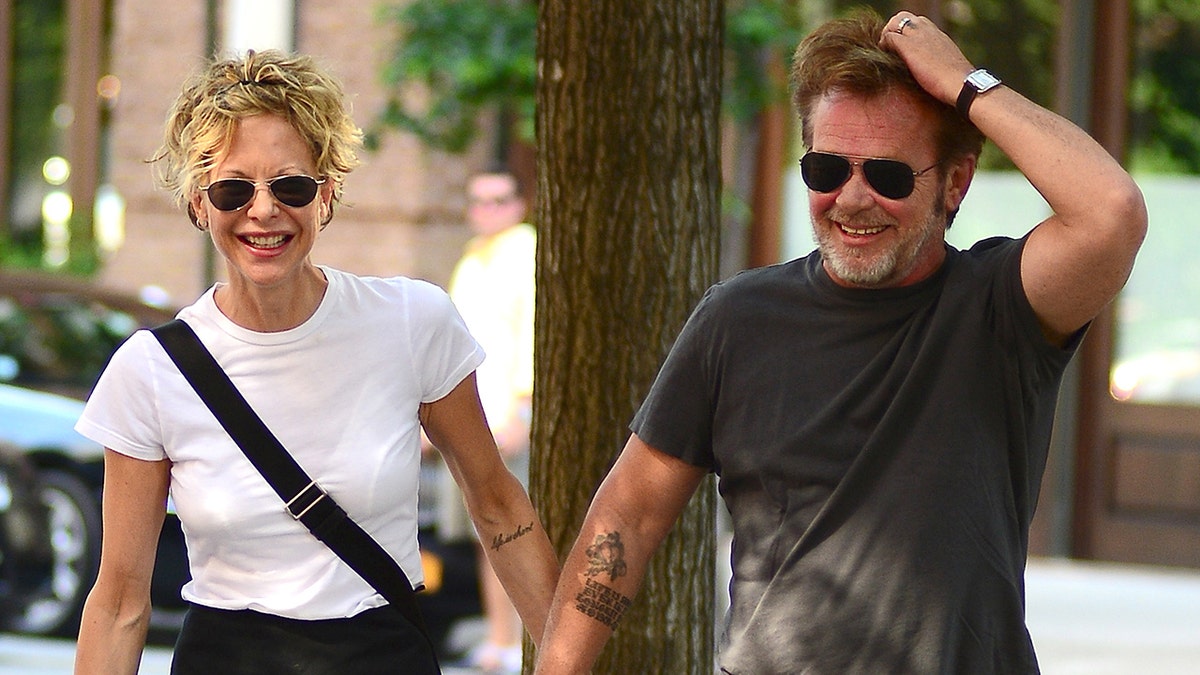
<point>56,334</point>
<point>67,466</point>
<point>25,553</point>
<point>68,476</point>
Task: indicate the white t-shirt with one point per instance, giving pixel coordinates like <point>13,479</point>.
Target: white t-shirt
<point>340,392</point>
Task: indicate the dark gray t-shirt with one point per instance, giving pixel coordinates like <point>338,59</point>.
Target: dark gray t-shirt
<point>880,452</point>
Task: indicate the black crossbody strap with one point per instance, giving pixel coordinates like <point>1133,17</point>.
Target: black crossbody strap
<point>305,500</point>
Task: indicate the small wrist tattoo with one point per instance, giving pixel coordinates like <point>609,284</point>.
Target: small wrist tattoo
<point>502,539</point>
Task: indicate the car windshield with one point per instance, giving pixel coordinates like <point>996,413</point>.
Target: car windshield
<point>34,419</point>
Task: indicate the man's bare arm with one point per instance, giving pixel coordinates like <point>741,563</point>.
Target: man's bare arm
<point>635,507</point>
<point>1079,258</point>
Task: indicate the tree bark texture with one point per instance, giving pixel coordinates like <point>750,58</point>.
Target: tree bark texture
<point>628,181</point>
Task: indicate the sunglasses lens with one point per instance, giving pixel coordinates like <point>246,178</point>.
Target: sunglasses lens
<point>230,194</point>
<point>294,190</point>
<point>889,178</point>
<point>823,172</point>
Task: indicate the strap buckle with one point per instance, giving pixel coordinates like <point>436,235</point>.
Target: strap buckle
<point>305,506</point>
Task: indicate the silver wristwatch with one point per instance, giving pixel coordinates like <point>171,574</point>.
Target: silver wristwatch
<point>976,83</point>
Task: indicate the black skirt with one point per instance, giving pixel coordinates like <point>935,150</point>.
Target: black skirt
<point>244,642</point>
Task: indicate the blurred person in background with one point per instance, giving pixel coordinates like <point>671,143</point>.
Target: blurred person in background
<point>493,288</point>
<point>345,370</point>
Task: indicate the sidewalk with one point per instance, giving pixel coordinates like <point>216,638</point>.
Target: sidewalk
<point>1106,619</point>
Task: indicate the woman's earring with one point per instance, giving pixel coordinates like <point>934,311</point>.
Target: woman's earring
<point>196,223</point>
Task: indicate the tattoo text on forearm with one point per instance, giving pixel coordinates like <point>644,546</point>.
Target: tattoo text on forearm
<point>502,539</point>
<point>606,555</point>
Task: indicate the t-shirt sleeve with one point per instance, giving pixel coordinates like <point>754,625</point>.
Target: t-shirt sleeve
<point>1017,325</point>
<point>676,416</point>
<point>121,412</point>
<point>444,350</point>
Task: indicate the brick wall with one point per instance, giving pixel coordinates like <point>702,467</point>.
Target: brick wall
<point>403,207</point>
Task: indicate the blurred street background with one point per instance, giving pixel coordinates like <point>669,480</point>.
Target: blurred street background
<point>90,250</point>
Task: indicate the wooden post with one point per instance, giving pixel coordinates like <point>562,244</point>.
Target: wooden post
<point>85,54</point>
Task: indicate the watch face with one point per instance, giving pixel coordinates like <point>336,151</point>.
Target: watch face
<point>982,80</point>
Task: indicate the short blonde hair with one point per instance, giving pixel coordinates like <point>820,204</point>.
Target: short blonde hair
<point>201,122</point>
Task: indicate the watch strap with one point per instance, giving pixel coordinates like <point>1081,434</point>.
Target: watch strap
<point>966,95</point>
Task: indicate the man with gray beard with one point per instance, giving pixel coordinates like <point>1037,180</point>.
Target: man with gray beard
<point>878,412</point>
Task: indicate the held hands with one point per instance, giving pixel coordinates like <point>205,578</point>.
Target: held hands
<point>935,61</point>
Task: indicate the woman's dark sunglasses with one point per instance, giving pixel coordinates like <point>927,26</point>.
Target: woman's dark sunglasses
<point>823,172</point>
<point>231,194</point>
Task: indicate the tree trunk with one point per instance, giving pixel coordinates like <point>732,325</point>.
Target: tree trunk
<point>628,106</point>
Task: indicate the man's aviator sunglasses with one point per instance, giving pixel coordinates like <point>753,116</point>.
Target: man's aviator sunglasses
<point>231,194</point>
<point>824,172</point>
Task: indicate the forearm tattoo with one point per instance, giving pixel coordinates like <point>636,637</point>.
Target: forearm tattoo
<point>606,554</point>
<point>602,603</point>
<point>502,539</point>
